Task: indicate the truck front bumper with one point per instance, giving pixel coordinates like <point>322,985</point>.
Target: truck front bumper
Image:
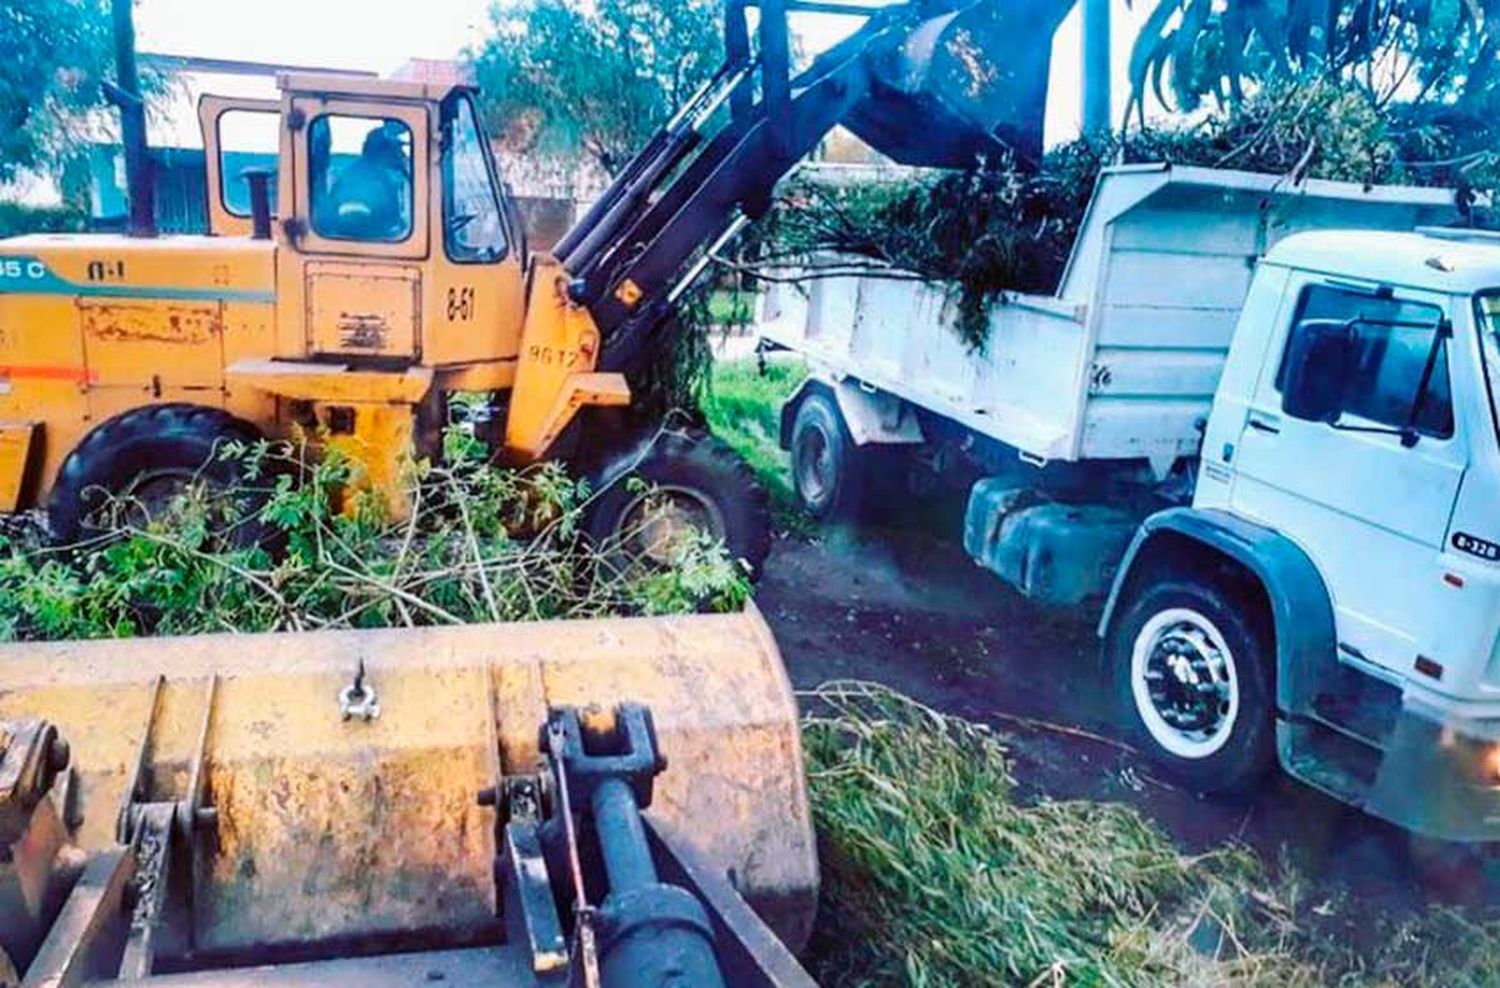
<point>1436,774</point>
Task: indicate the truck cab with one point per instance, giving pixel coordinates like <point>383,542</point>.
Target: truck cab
<point>1333,591</point>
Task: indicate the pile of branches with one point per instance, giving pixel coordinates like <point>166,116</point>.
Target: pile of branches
<point>481,543</point>
<point>937,872</point>
<point>999,229</point>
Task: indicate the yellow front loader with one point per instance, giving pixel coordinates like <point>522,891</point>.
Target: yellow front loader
<point>603,803</point>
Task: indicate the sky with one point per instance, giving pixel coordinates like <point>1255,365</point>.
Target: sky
<point>380,36</point>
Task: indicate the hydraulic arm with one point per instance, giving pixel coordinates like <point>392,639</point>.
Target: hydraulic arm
<point>935,84</point>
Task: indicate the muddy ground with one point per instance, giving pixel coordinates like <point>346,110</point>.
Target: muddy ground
<point>904,606</point>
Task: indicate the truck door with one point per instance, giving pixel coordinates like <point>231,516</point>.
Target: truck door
<point>358,227</point>
<point>1369,505</point>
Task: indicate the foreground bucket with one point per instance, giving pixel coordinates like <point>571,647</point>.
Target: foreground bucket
<point>335,823</point>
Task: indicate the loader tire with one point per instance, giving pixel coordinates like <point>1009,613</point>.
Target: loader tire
<point>1193,675</point>
<point>828,471</point>
<point>164,446</point>
<point>707,486</point>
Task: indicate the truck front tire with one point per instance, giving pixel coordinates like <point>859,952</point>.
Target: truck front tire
<point>1192,673</point>
<point>151,454</point>
<point>697,481</point>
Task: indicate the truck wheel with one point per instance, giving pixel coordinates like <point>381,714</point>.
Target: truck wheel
<point>825,462</point>
<point>1192,674</point>
<point>694,482</point>
<point>149,456</point>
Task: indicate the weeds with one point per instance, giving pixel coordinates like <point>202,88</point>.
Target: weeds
<point>936,873</point>
<point>480,544</point>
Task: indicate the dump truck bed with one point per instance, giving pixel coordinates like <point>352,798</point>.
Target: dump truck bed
<point>1123,361</point>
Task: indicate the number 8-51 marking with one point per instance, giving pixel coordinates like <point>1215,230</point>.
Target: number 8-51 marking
<point>460,304</point>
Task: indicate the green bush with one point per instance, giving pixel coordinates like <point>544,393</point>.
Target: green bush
<point>481,544</point>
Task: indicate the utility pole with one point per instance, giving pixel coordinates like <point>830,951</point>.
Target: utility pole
<point>125,93</point>
<point>1096,66</point>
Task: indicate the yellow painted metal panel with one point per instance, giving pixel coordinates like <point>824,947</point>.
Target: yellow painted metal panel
<point>175,266</point>
<point>560,345</point>
<point>42,375</point>
<point>306,381</point>
<point>158,342</point>
<point>363,309</point>
<point>382,443</point>
<point>16,441</point>
<point>331,828</point>
<point>493,375</point>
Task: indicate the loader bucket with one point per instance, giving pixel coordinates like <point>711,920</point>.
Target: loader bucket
<point>968,84</point>
<point>344,812</point>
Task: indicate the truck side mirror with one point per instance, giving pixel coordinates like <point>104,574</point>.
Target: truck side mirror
<point>1320,359</point>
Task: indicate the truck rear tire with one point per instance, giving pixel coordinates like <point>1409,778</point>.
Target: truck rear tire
<point>706,486</point>
<point>1192,673</point>
<point>827,468</point>
<point>151,454</point>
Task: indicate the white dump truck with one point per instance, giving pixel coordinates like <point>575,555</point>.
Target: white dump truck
<point>1260,422</point>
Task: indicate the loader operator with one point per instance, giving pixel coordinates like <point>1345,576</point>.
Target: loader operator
<point>368,198</point>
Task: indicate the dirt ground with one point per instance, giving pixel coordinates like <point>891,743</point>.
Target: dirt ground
<point>906,607</point>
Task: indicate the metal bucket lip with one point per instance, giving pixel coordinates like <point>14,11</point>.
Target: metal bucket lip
<point>109,661</point>
<point>99,690</point>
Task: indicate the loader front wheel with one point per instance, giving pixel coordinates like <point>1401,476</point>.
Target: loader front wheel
<point>685,483</point>
<point>132,468</point>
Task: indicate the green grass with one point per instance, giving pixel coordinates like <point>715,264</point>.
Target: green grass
<point>730,307</point>
<point>937,872</point>
<point>743,407</point>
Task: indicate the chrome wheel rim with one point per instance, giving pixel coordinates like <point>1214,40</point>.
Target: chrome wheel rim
<point>1184,682</point>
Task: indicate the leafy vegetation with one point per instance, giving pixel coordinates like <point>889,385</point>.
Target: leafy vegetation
<point>482,544</point>
<point>937,873</point>
<point>1442,49</point>
<point>51,58</point>
<point>563,76</point>
<point>1001,229</point>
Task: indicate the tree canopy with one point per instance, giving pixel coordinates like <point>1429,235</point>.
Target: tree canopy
<point>1404,50</point>
<point>52,57</point>
<point>597,76</point>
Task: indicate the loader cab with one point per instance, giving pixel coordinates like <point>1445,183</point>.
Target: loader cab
<point>396,244</point>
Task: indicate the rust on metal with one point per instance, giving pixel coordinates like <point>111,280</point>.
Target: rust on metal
<point>150,322</point>
<point>330,829</point>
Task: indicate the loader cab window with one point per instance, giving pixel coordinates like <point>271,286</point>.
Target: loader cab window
<point>360,173</point>
<point>1393,340</point>
<point>473,225</point>
<point>247,139</point>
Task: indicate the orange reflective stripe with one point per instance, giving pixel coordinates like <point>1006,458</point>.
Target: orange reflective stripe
<point>41,372</point>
